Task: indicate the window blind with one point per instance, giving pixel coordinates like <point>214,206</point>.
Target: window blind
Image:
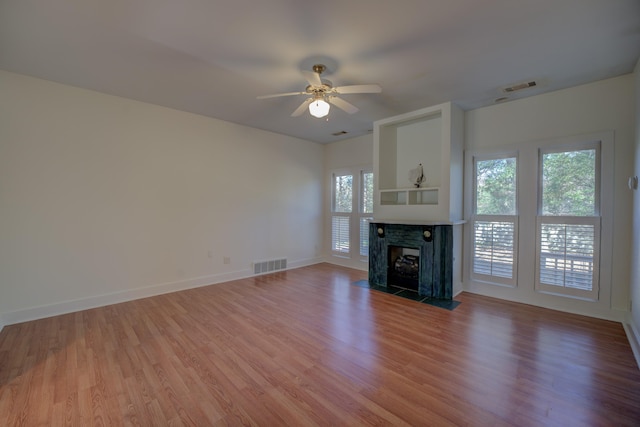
<point>567,255</point>
<point>493,248</point>
<point>340,233</point>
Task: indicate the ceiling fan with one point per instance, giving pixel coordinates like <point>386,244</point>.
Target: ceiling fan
<point>321,93</point>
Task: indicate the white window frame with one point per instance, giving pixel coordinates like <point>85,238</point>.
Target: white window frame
<point>489,278</point>
<point>528,224</point>
<point>343,215</point>
<point>593,221</point>
<point>355,216</point>
<point>364,217</point>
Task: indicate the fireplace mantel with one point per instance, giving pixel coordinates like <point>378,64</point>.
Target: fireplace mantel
<point>433,240</point>
<point>416,222</point>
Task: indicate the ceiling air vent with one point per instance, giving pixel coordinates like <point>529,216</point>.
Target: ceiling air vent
<point>519,86</point>
<point>342,132</point>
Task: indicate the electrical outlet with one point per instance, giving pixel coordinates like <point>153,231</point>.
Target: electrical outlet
<point>226,260</point>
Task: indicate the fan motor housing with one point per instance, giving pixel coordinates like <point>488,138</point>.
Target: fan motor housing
<point>326,87</point>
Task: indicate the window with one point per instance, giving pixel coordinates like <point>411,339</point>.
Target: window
<point>366,211</point>
<point>342,208</point>
<point>568,223</point>
<point>540,220</point>
<point>352,209</point>
<point>494,220</point>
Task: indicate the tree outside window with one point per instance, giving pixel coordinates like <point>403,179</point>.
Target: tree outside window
<point>343,192</point>
<point>569,183</point>
<point>496,186</point>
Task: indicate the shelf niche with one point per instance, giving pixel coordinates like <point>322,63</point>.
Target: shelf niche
<point>410,196</point>
<point>433,137</point>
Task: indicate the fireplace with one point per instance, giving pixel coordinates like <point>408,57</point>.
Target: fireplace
<point>403,267</point>
<point>400,252</point>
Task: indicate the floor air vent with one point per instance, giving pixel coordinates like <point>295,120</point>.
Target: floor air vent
<point>260,267</point>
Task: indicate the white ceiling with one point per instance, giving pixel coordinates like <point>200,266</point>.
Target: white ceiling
<point>214,57</point>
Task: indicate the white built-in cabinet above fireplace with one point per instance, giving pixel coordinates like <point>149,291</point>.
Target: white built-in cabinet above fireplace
<point>432,137</point>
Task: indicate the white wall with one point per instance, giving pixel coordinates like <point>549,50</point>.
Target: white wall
<point>605,105</point>
<point>104,199</point>
<point>633,327</point>
<point>356,151</point>
<point>353,152</point>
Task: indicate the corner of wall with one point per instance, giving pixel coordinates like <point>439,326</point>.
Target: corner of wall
<point>634,338</point>
<point>1,323</point>
<point>632,326</point>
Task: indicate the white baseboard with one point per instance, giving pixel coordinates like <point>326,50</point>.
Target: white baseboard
<point>564,305</point>
<point>347,262</point>
<point>634,338</point>
<point>41,312</point>
<point>304,262</point>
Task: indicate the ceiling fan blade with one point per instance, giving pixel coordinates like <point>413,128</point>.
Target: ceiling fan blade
<point>373,88</point>
<point>343,105</point>
<point>301,108</point>
<point>312,77</point>
<point>280,94</point>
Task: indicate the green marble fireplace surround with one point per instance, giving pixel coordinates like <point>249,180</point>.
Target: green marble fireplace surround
<point>434,243</point>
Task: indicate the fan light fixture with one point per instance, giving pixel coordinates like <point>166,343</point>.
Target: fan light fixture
<point>320,93</point>
<point>319,108</point>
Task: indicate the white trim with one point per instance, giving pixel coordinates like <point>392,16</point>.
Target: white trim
<point>566,305</point>
<point>45,311</point>
<point>356,264</point>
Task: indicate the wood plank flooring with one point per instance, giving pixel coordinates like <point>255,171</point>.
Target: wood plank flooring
<point>305,347</point>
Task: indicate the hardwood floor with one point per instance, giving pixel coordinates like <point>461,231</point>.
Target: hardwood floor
<point>304,347</point>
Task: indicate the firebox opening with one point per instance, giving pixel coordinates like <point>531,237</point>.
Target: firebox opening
<point>404,268</point>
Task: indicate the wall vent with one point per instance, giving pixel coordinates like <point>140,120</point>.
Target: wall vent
<point>520,86</point>
<point>260,267</point>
